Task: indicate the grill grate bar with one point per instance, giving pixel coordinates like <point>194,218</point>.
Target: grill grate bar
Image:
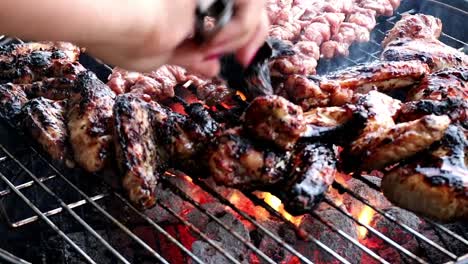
<point>200,233</point>
<point>349,238</point>
<point>55,211</point>
<point>277,239</point>
<point>176,190</point>
<point>375,232</point>
<point>7,256</point>
<point>95,205</point>
<point>47,220</point>
<point>67,208</point>
<point>158,228</point>
<point>273,212</point>
<point>415,233</point>
<point>448,231</point>
<point>26,185</point>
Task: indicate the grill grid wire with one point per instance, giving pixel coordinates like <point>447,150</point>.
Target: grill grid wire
<point>95,201</point>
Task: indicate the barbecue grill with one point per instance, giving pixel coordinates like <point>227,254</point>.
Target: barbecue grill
<point>55,215</point>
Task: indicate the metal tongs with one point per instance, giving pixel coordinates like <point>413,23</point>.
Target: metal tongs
<point>221,11</point>
<point>254,80</point>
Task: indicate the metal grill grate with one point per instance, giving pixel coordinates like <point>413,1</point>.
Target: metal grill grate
<point>32,189</point>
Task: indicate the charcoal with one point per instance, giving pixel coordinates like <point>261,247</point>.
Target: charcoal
<point>394,232</point>
<point>330,238</point>
<point>362,190</point>
<point>269,246</point>
<point>225,238</point>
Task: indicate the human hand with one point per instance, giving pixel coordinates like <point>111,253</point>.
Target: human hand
<point>163,39</point>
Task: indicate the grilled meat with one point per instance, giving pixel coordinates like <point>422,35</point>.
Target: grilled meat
<point>139,157</point>
<point>276,120</point>
<point>311,171</point>
<point>60,49</point>
<point>12,99</point>
<point>44,120</point>
<point>89,121</point>
<point>383,76</point>
<point>25,63</point>
<point>236,161</point>
<point>435,184</point>
<point>300,58</point>
<point>400,142</point>
<point>159,84</point>
<point>339,88</point>
<point>442,93</point>
<point>417,26</point>
<point>455,109</point>
<point>440,85</point>
<point>415,37</point>
<point>308,92</point>
<point>51,88</point>
<point>434,53</point>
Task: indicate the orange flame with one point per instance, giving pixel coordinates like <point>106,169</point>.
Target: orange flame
<point>241,95</point>
<point>365,217</point>
<point>244,204</point>
<point>278,206</point>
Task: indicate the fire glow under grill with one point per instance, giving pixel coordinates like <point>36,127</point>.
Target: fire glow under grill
<point>76,218</point>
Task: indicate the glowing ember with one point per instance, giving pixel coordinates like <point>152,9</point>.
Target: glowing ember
<point>365,217</point>
<point>187,178</point>
<point>276,204</point>
<point>241,95</point>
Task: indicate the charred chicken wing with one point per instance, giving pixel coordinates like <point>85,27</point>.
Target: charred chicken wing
<point>44,120</point>
<point>138,155</point>
<point>89,121</point>
<point>435,184</point>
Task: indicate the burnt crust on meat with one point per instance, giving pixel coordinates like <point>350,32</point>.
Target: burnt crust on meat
<point>311,171</point>
<point>434,184</point>
<point>44,120</point>
<point>51,88</point>
<point>137,151</point>
<point>26,63</point>
<point>12,99</point>
<point>235,161</point>
<point>90,113</point>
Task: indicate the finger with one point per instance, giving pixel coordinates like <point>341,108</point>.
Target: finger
<point>117,57</point>
<point>247,53</point>
<point>190,57</point>
<point>239,30</point>
<point>208,68</point>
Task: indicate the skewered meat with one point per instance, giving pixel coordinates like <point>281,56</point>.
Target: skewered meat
<point>89,121</point>
<point>139,157</point>
<point>159,85</point>
<point>44,120</point>
<point>416,38</point>
<point>311,171</point>
<point>435,184</point>
<point>236,162</point>
<point>12,99</point>
<point>400,142</point>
